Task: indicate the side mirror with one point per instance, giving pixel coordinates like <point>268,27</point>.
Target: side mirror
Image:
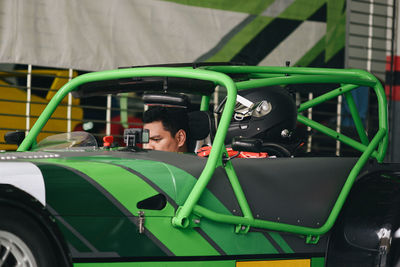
<point>246,144</point>
<point>14,138</point>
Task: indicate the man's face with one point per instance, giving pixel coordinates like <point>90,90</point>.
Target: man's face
<point>160,139</point>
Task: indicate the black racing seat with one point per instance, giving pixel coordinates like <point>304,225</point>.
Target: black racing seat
<point>201,124</point>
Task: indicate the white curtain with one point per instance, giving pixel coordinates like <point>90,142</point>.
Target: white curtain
<point>104,34</point>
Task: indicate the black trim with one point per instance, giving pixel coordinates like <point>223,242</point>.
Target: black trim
<point>203,258</point>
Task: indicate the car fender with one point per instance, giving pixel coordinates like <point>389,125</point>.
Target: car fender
<point>365,228</point>
<point>25,176</point>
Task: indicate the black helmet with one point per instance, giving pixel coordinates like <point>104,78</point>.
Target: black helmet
<point>266,113</point>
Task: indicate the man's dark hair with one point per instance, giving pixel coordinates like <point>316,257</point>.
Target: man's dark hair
<point>173,119</point>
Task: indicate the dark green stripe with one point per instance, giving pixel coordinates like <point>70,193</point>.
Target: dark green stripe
<point>128,189</point>
<point>173,203</point>
<point>87,210</point>
<point>73,241</point>
<point>222,234</point>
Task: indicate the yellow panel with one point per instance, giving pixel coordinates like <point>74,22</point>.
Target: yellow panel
<point>274,263</point>
<point>18,109</point>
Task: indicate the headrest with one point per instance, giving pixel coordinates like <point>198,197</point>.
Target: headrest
<point>201,124</point>
<point>165,99</point>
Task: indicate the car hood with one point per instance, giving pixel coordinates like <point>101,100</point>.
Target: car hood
<point>90,183</point>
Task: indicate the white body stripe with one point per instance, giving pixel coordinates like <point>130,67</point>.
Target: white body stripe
<point>25,176</point>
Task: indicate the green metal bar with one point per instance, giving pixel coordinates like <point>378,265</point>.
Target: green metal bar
<point>219,78</point>
<point>264,75</point>
<point>352,177</point>
<point>237,189</point>
<point>383,119</point>
<point>353,76</point>
<point>205,103</point>
<point>325,97</point>
<point>303,79</point>
<point>214,159</point>
<point>356,118</point>
<point>363,78</point>
<point>292,71</point>
<point>335,135</point>
<point>231,219</point>
<point>282,227</point>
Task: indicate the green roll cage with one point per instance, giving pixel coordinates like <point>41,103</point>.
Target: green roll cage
<point>259,76</point>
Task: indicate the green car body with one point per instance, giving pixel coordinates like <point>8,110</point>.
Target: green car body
<point>110,207</point>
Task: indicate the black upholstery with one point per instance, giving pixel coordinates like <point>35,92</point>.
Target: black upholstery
<point>167,99</point>
<point>201,124</point>
<point>298,191</point>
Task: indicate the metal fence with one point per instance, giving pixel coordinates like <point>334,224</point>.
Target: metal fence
<point>26,90</point>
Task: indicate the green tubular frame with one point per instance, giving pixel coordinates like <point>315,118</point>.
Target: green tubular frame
<point>260,76</point>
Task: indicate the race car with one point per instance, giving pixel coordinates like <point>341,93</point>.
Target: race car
<point>69,201</point>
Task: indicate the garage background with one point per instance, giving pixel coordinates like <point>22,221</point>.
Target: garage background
<point>45,43</point>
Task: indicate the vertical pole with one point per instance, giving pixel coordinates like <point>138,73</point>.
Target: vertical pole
<point>123,105</point>
<point>393,137</point>
<point>370,35</point>
<point>347,38</point>
<point>28,99</point>
<point>108,116</point>
<point>309,116</point>
<point>69,107</point>
<point>205,102</point>
<point>338,122</point>
<point>216,102</point>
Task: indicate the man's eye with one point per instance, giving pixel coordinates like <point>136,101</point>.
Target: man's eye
<point>156,139</point>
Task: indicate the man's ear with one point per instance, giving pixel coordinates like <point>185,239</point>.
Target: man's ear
<point>180,137</point>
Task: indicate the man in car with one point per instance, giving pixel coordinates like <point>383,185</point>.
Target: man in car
<point>168,128</point>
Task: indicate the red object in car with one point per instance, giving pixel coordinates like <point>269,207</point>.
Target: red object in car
<point>205,152</point>
<point>108,140</point>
